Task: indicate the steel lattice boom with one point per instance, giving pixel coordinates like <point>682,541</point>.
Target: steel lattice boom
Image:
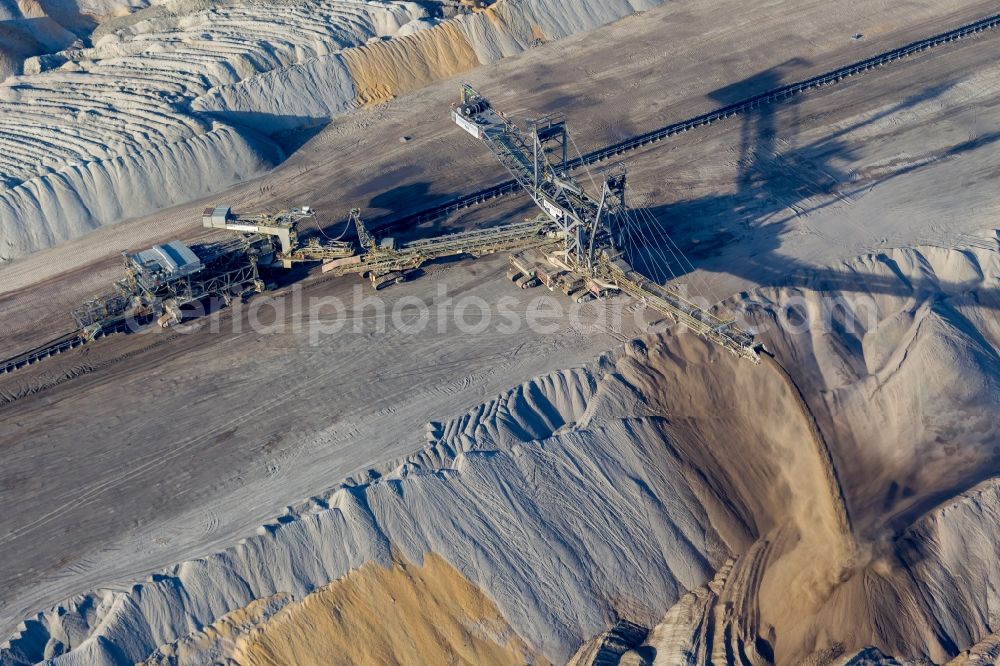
<point>537,159</point>
<point>591,262</point>
<point>386,264</point>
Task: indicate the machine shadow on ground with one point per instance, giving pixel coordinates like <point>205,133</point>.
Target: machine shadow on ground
<point>778,181</point>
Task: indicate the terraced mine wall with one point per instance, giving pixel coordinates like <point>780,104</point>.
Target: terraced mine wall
<point>178,100</point>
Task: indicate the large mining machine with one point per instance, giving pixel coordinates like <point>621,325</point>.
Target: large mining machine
<point>590,256</point>
<point>283,226</point>
<point>156,284</point>
<point>573,244</point>
<point>386,262</point>
<point>160,281</point>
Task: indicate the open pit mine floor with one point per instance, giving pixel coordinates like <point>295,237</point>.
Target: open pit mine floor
<point>170,491</point>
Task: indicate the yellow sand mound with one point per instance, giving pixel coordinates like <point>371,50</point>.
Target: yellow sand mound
<point>406,614</point>
<point>383,70</point>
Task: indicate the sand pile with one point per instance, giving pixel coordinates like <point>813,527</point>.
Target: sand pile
<point>30,28</point>
<point>178,100</point>
<point>565,510</point>
<point>22,37</point>
<point>748,514</point>
<point>903,381</point>
<point>384,70</point>
<point>404,614</point>
<point>94,135</point>
<point>216,642</point>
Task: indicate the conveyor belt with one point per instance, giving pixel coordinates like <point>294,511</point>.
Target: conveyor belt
<point>775,95</point>
<point>723,333</point>
<point>477,242</point>
<point>57,346</point>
